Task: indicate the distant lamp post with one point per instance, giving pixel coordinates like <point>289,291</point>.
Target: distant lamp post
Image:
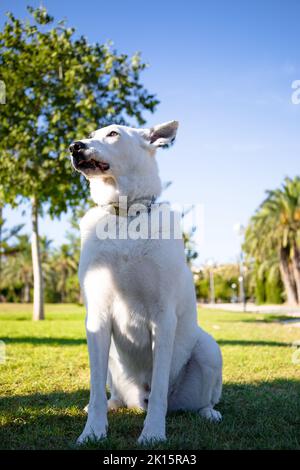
<point>240,231</point>
<point>241,289</point>
<point>210,265</point>
<point>233,287</point>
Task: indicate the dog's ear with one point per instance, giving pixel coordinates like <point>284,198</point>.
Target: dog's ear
<point>162,135</point>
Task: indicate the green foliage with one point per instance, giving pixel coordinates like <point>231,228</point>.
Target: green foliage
<point>202,289</point>
<point>58,88</point>
<point>16,268</point>
<point>189,247</point>
<point>6,236</point>
<point>276,222</point>
<point>224,276</point>
<point>59,268</point>
<point>268,284</point>
<point>223,290</point>
<point>260,291</point>
<point>273,241</point>
<point>274,291</point>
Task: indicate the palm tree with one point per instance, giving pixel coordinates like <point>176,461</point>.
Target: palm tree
<point>18,268</point>
<point>65,265</point>
<point>275,228</point>
<point>6,236</point>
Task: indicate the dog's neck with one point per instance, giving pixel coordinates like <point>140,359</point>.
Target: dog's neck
<point>107,194</point>
<point>129,208</point>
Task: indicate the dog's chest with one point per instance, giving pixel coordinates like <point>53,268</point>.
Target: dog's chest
<point>131,329</point>
<point>131,299</point>
<point>122,278</point>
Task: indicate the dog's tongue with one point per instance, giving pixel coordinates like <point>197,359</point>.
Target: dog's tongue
<point>96,164</point>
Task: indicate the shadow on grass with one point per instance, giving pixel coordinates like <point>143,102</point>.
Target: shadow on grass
<point>241,342</point>
<point>256,416</point>
<point>79,341</point>
<point>272,319</point>
<point>36,340</point>
<point>265,319</point>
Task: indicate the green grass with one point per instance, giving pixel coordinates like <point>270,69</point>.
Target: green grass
<point>45,380</point>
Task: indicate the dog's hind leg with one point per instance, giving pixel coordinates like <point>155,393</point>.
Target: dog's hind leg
<point>114,401</point>
<point>199,385</point>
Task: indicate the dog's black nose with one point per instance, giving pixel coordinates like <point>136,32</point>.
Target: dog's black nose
<point>76,146</point>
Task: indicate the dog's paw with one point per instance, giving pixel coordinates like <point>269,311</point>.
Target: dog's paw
<point>210,414</point>
<point>92,433</point>
<point>150,435</point>
<point>113,404</point>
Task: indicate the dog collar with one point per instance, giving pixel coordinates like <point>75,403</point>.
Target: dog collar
<point>145,203</point>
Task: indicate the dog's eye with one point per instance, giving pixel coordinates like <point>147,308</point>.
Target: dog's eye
<point>112,134</point>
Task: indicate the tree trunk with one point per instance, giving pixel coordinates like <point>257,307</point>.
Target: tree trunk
<point>38,294</point>
<point>287,277</point>
<point>296,269</point>
<point>63,292</point>
<point>26,292</point>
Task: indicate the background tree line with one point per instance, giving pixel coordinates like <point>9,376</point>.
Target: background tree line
<point>271,247</point>
<point>272,253</point>
<point>59,267</point>
<point>272,242</point>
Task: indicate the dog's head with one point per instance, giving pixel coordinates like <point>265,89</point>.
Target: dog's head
<point>120,161</point>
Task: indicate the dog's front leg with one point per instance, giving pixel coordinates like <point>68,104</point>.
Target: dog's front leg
<point>98,329</point>
<point>163,333</point>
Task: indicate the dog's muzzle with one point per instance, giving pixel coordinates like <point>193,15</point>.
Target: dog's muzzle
<point>83,162</point>
<point>77,148</point>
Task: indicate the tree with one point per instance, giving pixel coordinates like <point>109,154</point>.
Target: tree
<point>273,234</point>
<point>189,247</point>
<point>6,236</point>
<point>65,266</point>
<point>266,281</point>
<point>18,269</point>
<point>58,88</point>
<point>224,276</point>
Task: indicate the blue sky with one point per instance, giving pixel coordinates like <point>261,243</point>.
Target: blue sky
<point>224,69</point>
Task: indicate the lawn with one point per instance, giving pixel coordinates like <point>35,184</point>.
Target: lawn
<point>45,380</point>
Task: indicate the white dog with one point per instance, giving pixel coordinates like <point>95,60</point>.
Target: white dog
<point>142,331</point>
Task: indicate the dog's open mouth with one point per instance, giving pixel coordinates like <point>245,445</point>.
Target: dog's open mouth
<point>92,165</point>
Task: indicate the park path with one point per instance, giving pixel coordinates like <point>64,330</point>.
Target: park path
<point>252,308</point>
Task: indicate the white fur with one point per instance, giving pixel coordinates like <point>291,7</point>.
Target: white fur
<point>142,331</point>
